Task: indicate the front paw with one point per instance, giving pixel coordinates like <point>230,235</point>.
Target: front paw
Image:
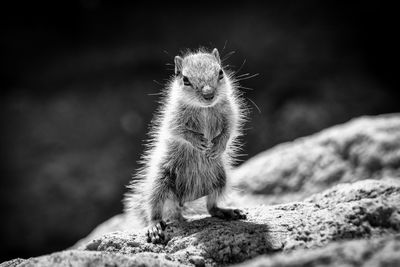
<point>216,148</point>
<point>201,143</point>
<point>228,214</point>
<point>212,153</point>
<point>155,232</point>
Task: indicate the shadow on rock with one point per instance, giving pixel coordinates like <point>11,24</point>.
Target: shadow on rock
<point>224,241</point>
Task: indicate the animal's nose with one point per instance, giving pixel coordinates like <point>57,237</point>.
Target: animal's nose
<point>207,92</point>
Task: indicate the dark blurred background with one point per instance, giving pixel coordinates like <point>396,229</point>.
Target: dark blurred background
<point>79,76</point>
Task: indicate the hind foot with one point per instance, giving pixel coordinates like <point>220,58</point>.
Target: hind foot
<point>227,214</point>
<point>155,232</point>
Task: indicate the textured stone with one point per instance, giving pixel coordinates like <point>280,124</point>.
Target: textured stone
<point>339,195</point>
<point>371,252</point>
<point>90,258</point>
<point>364,148</point>
<point>364,209</point>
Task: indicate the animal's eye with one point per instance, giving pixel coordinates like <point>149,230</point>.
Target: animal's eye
<point>220,74</point>
<point>186,81</point>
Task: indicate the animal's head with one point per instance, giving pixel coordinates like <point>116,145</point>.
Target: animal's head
<point>200,77</point>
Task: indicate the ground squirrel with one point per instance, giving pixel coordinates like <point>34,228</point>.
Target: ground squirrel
<point>192,146</point>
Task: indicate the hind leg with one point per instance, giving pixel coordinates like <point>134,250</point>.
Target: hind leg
<point>159,195</point>
<point>173,210</point>
<point>155,230</point>
<point>223,213</point>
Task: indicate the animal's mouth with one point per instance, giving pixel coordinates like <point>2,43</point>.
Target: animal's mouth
<point>208,97</point>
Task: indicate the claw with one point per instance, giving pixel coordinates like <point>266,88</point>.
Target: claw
<point>203,144</point>
<point>212,153</point>
<point>228,214</point>
<point>155,233</point>
<point>240,214</point>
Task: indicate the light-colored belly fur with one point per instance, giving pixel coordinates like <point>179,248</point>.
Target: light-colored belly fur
<point>195,174</point>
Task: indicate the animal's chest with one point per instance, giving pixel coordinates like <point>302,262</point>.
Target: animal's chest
<point>207,122</point>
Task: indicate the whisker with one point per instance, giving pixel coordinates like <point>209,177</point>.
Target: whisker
<point>243,75</point>
<point>155,94</point>
<point>228,55</point>
<point>241,66</point>
<point>259,111</point>
<point>223,48</point>
<point>157,82</point>
<point>245,88</point>
<point>246,78</point>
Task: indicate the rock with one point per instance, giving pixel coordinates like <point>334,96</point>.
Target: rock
<point>339,194</point>
<point>90,258</point>
<point>364,148</point>
<point>371,252</point>
<point>364,209</point>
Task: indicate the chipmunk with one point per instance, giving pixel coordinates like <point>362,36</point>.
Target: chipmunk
<point>194,139</point>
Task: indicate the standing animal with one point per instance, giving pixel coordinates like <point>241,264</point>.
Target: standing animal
<point>194,140</point>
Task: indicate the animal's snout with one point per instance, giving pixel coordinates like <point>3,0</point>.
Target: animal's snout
<point>208,92</point>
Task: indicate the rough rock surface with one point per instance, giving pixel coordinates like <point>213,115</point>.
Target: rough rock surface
<point>364,148</point>
<point>371,252</point>
<point>90,258</point>
<point>344,188</point>
<point>364,209</point>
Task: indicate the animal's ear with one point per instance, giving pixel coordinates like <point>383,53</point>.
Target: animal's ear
<point>178,65</point>
<point>215,53</point>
